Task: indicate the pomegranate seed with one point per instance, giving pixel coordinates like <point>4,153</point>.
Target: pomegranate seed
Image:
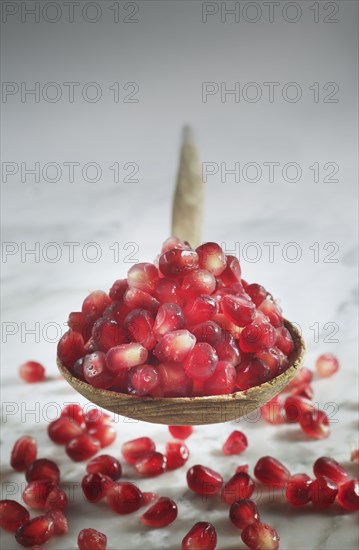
<point>174,346</point>
<point>148,497</point>
<point>56,499</point>
<point>161,513</point>
<point>168,291</point>
<point>105,434</point>
<point>240,486</point>
<point>222,381</point>
<point>96,417</point>
<point>326,466</point>
<point>348,495</point>
<point>271,358</point>
<point>32,372</point>
<point>125,357</point>
<point>180,432</point>
<point>70,348</point>
<point>94,305</point>
<point>198,282</point>
<point>242,468</point>
<point>62,430</point>
<point>117,311</point>
<point>232,272</point>
<point>227,350</point>
<point>177,454</point>
<point>298,490</point>
<point>238,310</point>
<point>272,311</point>
<point>12,515</point>
<point>36,492</point>
<point>78,369</point>
<point>151,464</point>
<point>273,411</point>
<point>76,321</point>
<point>43,469</point>
<point>304,376</point>
<point>201,362</point>
<point>82,447</point>
<point>257,292</point>
<point>143,380</point>
<point>243,513</point>
<point>106,334</point>
<point>284,341</point>
<point>23,453</point>
<point>105,464</point>
<point>212,258</point>
<point>75,413</point>
<point>90,539</point>
<point>235,443</point>
<point>323,492</point>
<point>303,390</point>
<point>296,407</point>
<point>118,289</point>
<point>36,531</point>
<point>136,299</point>
<point>176,262</point>
<point>326,365</point>
<point>203,480</point>
<point>203,308</point>
<point>135,449</point>
<point>169,317</point>
<point>143,276</point>
<point>174,242</point>
<point>208,332</point>
<point>60,521</point>
<point>260,536</point>
<point>95,486</point>
<point>270,471</point>
<point>139,324</point>
<point>202,536</point>
<point>315,424</point>
<point>174,381</point>
<point>250,373</point>
<point>96,372</point>
<point>256,336</point>
<point>124,497</point>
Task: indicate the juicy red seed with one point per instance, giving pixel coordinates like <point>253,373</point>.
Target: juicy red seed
<point>238,310</point>
<point>180,432</point>
<point>56,499</point>
<point>174,346</point>
<point>257,292</point>
<point>151,464</point>
<point>212,258</point>
<point>232,271</point>
<point>323,492</point>
<point>304,376</point>
<point>118,289</point>
<point>256,336</point>
<point>296,407</point>
<point>143,276</point>
<point>78,369</point>
<point>125,357</point>
<point>222,381</point>
<point>161,513</point>
<point>168,291</point>
<point>91,539</point>
<point>12,515</point>
<point>37,531</point>
<point>250,373</point>
<point>326,466</point>
<point>177,454</point>
<point>117,312</point>
<point>176,262</point>
<point>124,498</point>
<point>315,424</point>
<point>284,341</point>
<point>326,365</point>
<point>105,464</point>
<point>148,497</point>
<point>271,358</point>
<point>95,486</point>
<point>135,449</point>
<point>105,434</point>
<point>70,348</point>
<point>62,430</point>
<point>227,350</point>
<point>96,372</point>
<point>348,495</point>
<point>95,304</point>
<point>23,453</point>
<point>201,362</point>
<point>272,311</point>
<point>174,242</point>
<point>174,381</point>
<point>203,480</point>
<point>235,443</point>
<point>242,468</point>
<point>96,417</point>
<point>106,334</point>
<point>136,299</point>
<point>43,469</point>
<point>31,372</point>
<point>139,325</point>
<point>169,317</point>
<point>198,282</point>
<point>298,490</point>
<point>202,309</point>
<point>271,472</point>
<point>76,321</point>
<point>243,512</point>
<point>60,521</point>
<point>303,390</point>
<point>82,447</point>
<point>240,486</point>
<point>202,536</point>
<point>74,412</point>
<point>273,411</point>
<point>143,380</point>
<point>208,332</point>
<point>36,492</point>
<point>258,536</point>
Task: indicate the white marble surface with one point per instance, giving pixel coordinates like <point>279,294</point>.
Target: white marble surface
<point>38,293</point>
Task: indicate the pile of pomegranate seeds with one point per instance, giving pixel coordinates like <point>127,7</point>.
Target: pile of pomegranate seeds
<point>189,327</point>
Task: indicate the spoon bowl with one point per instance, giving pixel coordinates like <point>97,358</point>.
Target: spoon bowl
<point>186,411</point>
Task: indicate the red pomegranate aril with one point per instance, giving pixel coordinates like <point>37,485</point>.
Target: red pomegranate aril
<point>177,454</point>
<point>105,464</point>
<point>139,325</point>
<point>238,310</point>
<point>161,513</point>
<point>95,486</point>
<point>250,373</point>
<point>232,272</point>
<point>118,289</point>
<point>304,376</point>
<point>271,358</point>
<point>148,497</point>
<point>257,292</point>
<point>227,350</point>
<point>56,499</point>
<point>135,449</point>
<point>96,372</point>
<point>70,348</point>
<point>315,424</point>
<point>173,381</point>
<point>204,481</point>
<point>174,346</point>
<point>94,305</point>
<point>326,365</point>
<point>176,262</point>
<point>117,311</point>
<point>201,362</point>
<point>36,492</point>
<point>126,356</point>
<point>272,311</point>
<point>62,430</point>
<point>105,434</point>
<point>222,381</point>
<point>296,407</point>
<point>60,521</point>
<point>169,318</point>
<point>323,492</point>
<point>303,390</point>
<point>203,308</point>
<point>168,291</point>
<point>240,486</point>
<point>256,336</point>
<point>82,447</point>
<point>198,282</point>
<point>174,242</point>
<point>32,372</point>
<point>260,536</point>
<point>74,412</point>
<point>212,258</point>
<point>326,466</point>
<point>12,515</point>
<point>242,468</point>
<point>36,531</point>
<point>151,464</point>
<point>91,539</point>
<point>298,490</point>
<point>78,369</point>
<point>270,471</point>
<point>243,512</point>
<point>76,321</point>
<point>124,497</point>
<point>202,536</point>
<point>235,443</point>
<point>136,299</point>
<point>143,276</point>
<point>96,417</point>
<point>180,432</point>
<point>284,341</point>
<point>143,380</point>
<point>208,332</point>
<point>106,334</point>
<point>273,411</point>
<point>43,469</point>
<point>348,495</point>
<point>23,453</point>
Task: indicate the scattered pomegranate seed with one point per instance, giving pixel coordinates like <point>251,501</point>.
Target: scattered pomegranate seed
<point>62,430</point>
<point>105,464</point>
<point>118,289</point>
<point>315,424</point>
<point>105,434</point>
<point>235,443</point>
<point>82,447</point>
<point>243,513</point>
<point>348,495</point>
<point>107,333</point>
<point>60,521</point>
<point>126,356</point>
<point>176,262</point>
<point>95,486</point>
<point>36,531</point>
<point>56,499</point>
<point>296,407</point>
<point>161,513</point>
<point>32,372</point>
<point>273,411</point>
<point>180,432</point>
<point>326,466</point>
<point>70,348</point>
<point>90,539</point>
<point>270,471</point>
<point>252,372</point>
<point>203,480</point>
<point>326,365</point>
<point>240,486</point>
<point>242,468</point>
<point>151,464</point>
<point>202,536</point>
<point>124,497</point>
<point>96,417</point>
<point>135,449</point>
<point>23,453</point>
<point>174,346</point>
<point>43,469</point>
<point>260,536</point>
<point>177,454</point>
<point>201,362</point>
<point>298,490</point>
<point>36,492</point>
<point>12,515</point>
<point>74,412</point>
<point>94,305</point>
<point>323,492</point>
